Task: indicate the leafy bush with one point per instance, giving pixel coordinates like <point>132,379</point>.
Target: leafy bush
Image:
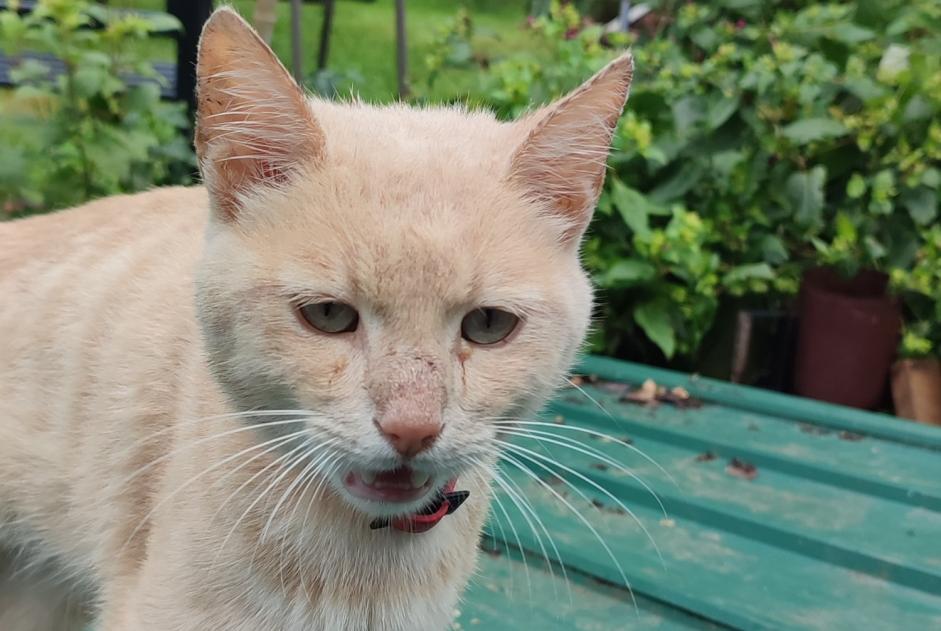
<point>87,132</point>
<point>761,138</point>
<point>920,286</point>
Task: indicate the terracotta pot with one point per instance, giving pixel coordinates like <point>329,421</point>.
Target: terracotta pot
<point>849,333</point>
<point>916,389</point>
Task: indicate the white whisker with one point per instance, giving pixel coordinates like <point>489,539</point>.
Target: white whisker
<point>581,518</point>
<point>538,459</point>
<point>588,450</point>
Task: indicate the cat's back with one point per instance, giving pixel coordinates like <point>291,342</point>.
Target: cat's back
<point>97,341</point>
<point>89,297</point>
<point>96,230</point>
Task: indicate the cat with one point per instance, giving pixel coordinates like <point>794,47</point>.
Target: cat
<point>234,406</point>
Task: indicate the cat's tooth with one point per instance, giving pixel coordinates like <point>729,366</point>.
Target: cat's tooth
<point>368,477</point>
<point>419,478</point>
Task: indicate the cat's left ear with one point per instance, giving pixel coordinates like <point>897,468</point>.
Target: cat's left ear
<point>561,163</point>
<point>253,123</point>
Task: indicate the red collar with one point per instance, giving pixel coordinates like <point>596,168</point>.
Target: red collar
<point>445,502</point>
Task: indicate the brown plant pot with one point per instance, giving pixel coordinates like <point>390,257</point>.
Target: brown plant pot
<point>849,333</point>
<point>916,389</point>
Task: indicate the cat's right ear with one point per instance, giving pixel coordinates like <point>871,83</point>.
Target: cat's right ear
<point>253,123</point>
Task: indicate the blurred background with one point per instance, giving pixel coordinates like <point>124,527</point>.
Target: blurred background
<point>770,214</point>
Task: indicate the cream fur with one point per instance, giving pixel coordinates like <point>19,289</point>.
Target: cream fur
<point>132,327</point>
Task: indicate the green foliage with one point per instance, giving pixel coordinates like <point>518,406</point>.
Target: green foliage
<point>920,286</point>
<point>761,138</point>
<point>87,132</point>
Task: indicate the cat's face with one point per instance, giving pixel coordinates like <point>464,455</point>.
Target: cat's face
<point>407,276</point>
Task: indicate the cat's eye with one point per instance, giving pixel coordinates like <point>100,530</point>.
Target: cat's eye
<point>330,317</point>
<point>488,325</point>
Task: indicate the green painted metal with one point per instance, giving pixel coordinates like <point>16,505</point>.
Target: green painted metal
<point>839,529</point>
<point>501,599</point>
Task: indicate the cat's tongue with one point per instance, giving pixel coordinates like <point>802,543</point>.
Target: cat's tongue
<point>399,485</point>
<point>399,477</point>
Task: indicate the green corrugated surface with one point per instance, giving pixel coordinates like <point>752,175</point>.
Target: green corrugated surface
<point>835,532</point>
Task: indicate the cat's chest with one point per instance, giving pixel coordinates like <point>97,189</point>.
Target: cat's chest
<point>381,581</point>
<point>323,574</point>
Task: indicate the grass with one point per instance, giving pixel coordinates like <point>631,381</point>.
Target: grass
<point>363,38</point>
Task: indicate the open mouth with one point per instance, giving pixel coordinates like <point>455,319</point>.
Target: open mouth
<point>399,485</point>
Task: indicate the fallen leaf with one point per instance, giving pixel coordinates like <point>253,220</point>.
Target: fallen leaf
<point>851,436</point>
<point>742,469</point>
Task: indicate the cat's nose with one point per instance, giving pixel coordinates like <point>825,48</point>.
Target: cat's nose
<point>409,435</point>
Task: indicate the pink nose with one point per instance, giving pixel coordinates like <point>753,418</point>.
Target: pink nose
<point>409,436</point>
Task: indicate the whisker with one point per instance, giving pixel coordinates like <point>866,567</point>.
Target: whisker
<point>521,500</point>
<point>177,423</point>
<point>237,491</point>
<point>289,455</point>
<point>516,537</point>
<point>206,439</point>
<point>536,458</point>
<point>275,444</point>
<point>581,518</point>
<point>616,420</point>
<point>323,465</point>
<point>312,465</point>
<point>310,468</point>
<point>507,420</point>
<point>588,450</point>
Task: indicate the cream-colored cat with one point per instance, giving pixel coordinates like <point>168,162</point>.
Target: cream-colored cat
<point>224,408</point>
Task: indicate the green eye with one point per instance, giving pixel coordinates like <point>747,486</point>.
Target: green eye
<point>488,325</point>
<point>330,317</point>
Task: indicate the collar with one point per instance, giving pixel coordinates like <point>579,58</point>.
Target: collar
<point>444,503</point>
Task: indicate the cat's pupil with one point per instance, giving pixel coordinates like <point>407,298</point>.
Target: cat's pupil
<point>488,325</point>
<point>330,317</point>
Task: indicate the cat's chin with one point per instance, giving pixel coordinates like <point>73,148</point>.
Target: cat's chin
<point>389,493</point>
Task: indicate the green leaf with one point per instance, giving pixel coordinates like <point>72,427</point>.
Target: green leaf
<point>677,184</point>
<point>720,111</point>
<point>760,271</point>
<point>706,38</point>
<point>805,192</point>
<point>94,58</point>
<point>874,248</point>
<point>813,129</point>
<point>163,22</point>
<point>895,60</point>
<point>29,70</point>
<point>931,178</point>
<point>845,229</point>
<point>856,187</point>
<point>88,80</point>
<point>460,53</point>
<point>725,162</point>
<point>865,88</point>
<point>849,33</point>
<point>773,250</point>
<point>632,206</point>
<point>654,318</point>
<point>687,112</point>
<point>627,273</point>
<point>922,205</point>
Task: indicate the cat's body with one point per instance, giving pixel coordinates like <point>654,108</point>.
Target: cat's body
<point>135,333</point>
<point>79,413</point>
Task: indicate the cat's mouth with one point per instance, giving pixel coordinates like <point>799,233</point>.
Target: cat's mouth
<point>402,485</point>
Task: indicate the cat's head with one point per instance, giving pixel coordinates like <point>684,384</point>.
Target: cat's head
<point>409,276</point>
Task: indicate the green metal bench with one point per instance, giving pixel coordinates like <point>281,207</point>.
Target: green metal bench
<point>784,513</point>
